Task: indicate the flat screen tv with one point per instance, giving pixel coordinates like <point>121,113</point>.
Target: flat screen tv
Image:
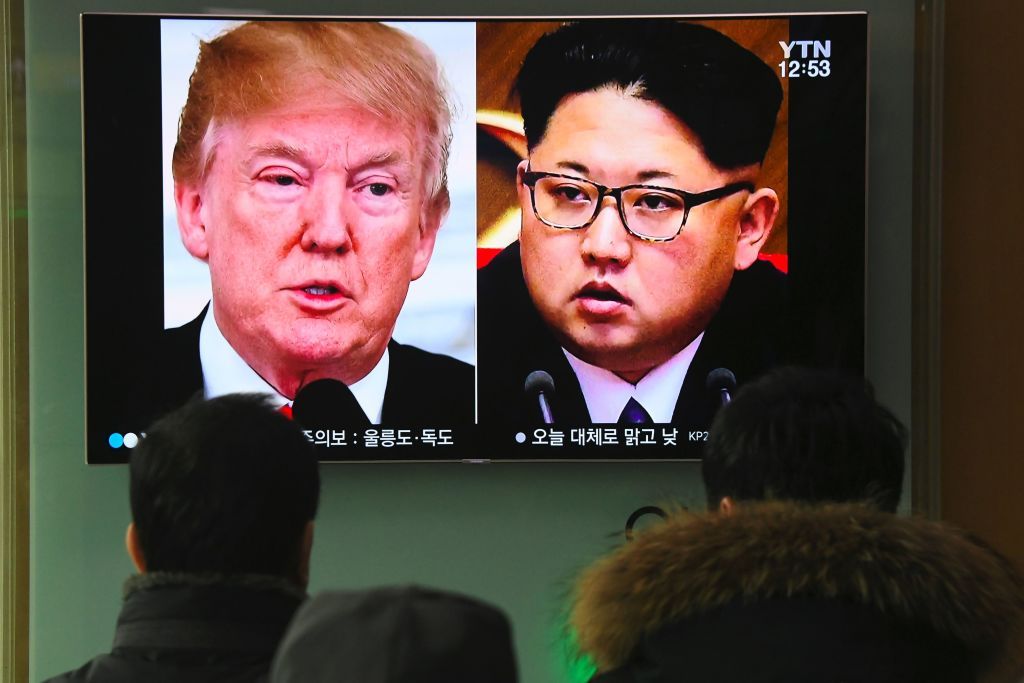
<point>469,239</point>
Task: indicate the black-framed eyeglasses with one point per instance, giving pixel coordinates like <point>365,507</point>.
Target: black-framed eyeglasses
<point>648,212</point>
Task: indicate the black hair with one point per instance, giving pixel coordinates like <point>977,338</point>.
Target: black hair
<point>805,435</point>
<point>723,92</point>
<point>224,486</point>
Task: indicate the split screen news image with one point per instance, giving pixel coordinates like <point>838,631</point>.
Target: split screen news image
<point>469,240</point>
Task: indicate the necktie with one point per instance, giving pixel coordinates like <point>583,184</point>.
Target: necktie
<point>634,414</point>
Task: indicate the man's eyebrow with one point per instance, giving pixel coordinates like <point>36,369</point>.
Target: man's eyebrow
<point>383,158</point>
<point>654,174</point>
<point>276,150</point>
<point>643,176</point>
<point>573,166</point>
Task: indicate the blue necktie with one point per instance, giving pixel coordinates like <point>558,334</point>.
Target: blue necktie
<point>634,414</point>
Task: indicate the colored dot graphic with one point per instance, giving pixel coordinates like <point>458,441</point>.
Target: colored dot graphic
<point>129,440</point>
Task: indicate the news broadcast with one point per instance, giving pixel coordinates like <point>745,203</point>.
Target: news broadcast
<point>469,240</point>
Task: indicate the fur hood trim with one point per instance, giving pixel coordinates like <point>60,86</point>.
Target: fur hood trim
<point>253,582</point>
<point>908,568</point>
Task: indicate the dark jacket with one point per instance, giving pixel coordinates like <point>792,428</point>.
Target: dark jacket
<point>424,388</point>
<point>784,593</point>
<point>396,635</point>
<point>181,628</point>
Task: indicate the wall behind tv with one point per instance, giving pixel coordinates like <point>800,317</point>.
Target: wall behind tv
<point>513,534</point>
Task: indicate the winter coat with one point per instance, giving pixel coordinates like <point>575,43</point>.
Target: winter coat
<point>194,628</point>
<point>788,593</point>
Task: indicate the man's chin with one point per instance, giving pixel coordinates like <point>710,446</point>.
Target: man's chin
<point>312,353</point>
<point>624,357</point>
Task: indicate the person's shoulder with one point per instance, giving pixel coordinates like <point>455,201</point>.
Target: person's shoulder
<point>88,673</point>
<point>500,283</point>
<point>412,360</point>
<point>428,388</point>
<point>762,278</point>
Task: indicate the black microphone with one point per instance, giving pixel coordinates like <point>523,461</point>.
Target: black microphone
<point>328,404</point>
<point>540,383</point>
<point>722,383</point>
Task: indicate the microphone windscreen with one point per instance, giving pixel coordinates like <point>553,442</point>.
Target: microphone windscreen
<point>721,378</point>
<point>328,404</point>
<point>539,381</point>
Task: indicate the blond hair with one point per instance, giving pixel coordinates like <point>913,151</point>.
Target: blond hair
<point>260,65</point>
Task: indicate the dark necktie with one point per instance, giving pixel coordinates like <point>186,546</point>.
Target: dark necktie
<point>634,414</point>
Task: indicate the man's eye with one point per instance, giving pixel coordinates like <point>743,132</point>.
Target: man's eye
<point>658,202</point>
<point>571,193</point>
<point>379,189</point>
<point>281,180</point>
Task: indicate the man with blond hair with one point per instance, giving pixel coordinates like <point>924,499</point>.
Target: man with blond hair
<point>309,174</point>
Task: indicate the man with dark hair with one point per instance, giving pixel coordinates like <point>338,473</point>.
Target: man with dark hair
<point>223,497</point>
<point>636,271</point>
<point>806,435</point>
<point>810,577</point>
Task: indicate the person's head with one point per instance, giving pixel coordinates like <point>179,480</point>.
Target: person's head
<point>225,486</point>
<point>309,174</point>
<point>407,634</point>
<point>805,435</point>
<point>665,105</point>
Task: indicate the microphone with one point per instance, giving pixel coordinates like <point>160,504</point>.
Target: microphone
<point>328,404</point>
<point>540,383</point>
<point>722,382</point>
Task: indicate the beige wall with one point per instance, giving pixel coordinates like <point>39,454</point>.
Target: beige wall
<point>982,378</point>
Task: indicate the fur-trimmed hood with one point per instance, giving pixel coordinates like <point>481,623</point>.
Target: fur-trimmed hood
<point>919,572</point>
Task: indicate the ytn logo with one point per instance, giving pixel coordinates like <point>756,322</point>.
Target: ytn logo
<point>818,48</point>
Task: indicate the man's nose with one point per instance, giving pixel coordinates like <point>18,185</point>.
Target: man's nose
<point>325,222</point>
<point>606,240</point>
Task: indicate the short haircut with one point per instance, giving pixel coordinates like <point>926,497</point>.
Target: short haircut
<point>224,486</point>
<point>721,91</point>
<point>259,65</point>
<point>805,435</point>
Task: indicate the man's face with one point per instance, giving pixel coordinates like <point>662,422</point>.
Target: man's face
<point>314,220</point>
<point>613,300</point>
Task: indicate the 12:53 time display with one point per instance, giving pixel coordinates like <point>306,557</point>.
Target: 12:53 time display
<point>812,68</point>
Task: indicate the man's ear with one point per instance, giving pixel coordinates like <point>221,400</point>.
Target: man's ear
<point>727,505</point>
<point>305,553</point>
<point>431,217</point>
<point>188,203</point>
<point>755,226</point>
<point>131,543</point>
<point>522,191</point>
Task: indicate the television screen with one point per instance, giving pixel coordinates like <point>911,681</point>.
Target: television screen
<point>476,240</point>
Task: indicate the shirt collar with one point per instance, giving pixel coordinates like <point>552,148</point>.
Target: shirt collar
<point>658,391</point>
<point>225,372</point>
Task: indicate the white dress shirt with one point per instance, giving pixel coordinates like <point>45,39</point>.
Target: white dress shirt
<point>606,393</point>
<point>224,372</point>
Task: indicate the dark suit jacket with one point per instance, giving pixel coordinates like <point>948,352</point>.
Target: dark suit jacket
<point>746,336</point>
<point>424,389</point>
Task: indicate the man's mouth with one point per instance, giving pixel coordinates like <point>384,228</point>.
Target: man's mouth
<point>601,291</point>
<point>320,296</point>
<point>601,299</point>
<point>320,291</point>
